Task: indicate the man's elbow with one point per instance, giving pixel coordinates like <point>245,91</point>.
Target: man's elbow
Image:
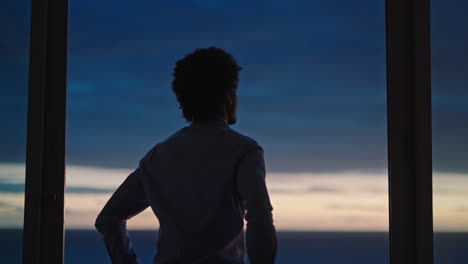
<point>263,228</point>
<point>106,225</point>
<point>261,220</point>
<point>101,223</point>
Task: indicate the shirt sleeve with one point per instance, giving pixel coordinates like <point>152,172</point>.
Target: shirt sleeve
<point>261,234</point>
<point>127,201</point>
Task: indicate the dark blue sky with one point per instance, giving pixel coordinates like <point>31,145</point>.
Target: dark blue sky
<point>312,88</point>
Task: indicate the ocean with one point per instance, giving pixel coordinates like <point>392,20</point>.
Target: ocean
<point>85,246</point>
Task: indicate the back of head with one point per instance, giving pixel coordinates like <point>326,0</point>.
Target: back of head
<point>204,80</point>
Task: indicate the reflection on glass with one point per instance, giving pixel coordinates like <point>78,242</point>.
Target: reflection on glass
<point>450,130</point>
<point>312,92</point>
<point>14,51</point>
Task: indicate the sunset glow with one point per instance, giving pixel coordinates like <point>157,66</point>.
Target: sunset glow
<point>345,201</point>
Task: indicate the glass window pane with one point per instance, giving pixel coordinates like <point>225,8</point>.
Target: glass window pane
<point>312,92</point>
<point>450,129</point>
<point>14,62</point>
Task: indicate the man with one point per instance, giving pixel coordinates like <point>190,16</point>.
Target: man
<point>202,181</point>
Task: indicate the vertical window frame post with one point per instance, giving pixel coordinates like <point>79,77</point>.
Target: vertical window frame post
<point>409,131</point>
<point>43,232</point>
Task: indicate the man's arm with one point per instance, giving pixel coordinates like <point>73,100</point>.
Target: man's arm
<point>261,234</point>
<point>128,201</point>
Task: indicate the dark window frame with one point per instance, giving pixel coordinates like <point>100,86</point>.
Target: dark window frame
<point>409,132</point>
<point>43,231</point>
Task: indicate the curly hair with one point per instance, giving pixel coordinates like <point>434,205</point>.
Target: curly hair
<point>203,82</point>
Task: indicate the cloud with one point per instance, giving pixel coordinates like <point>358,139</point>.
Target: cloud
<point>11,188</point>
<point>450,190</point>
<point>463,209</point>
<point>19,188</point>
<point>358,207</point>
<point>78,189</point>
<point>323,189</point>
<point>5,204</point>
<point>311,189</point>
<point>8,209</point>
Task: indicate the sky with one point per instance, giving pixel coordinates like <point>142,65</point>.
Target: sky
<point>312,92</point>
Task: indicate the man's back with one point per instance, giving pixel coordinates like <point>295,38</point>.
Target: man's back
<point>202,182</point>
<point>199,182</point>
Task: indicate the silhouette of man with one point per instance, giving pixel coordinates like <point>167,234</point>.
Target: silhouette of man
<point>202,181</point>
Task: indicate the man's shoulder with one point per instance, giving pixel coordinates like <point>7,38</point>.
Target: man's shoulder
<point>171,138</point>
<point>244,139</point>
<point>175,135</point>
<point>228,134</point>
